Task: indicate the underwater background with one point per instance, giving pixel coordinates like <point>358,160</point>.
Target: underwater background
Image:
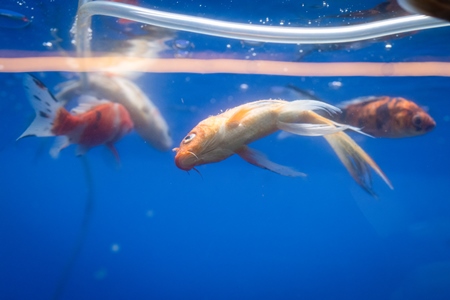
<point>145,229</point>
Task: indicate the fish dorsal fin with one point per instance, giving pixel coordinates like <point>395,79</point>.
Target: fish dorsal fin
<point>260,160</point>
<point>237,118</point>
<point>359,100</point>
<point>86,103</point>
<point>303,94</point>
<point>45,106</point>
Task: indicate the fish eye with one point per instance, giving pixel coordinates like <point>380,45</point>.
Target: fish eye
<point>417,120</point>
<point>189,138</point>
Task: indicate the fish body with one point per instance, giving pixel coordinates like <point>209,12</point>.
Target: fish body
<point>218,137</point>
<point>93,123</point>
<point>12,19</point>
<point>148,121</point>
<point>433,8</point>
<point>391,117</point>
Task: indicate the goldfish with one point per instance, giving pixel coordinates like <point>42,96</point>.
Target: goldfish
<point>390,117</point>
<point>94,122</point>
<point>381,116</point>
<point>219,137</point>
<point>148,121</point>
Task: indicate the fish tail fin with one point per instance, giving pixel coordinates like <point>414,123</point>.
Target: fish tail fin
<point>299,106</point>
<point>310,123</point>
<point>356,160</point>
<point>45,105</point>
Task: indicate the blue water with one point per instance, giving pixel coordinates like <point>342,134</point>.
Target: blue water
<point>235,231</point>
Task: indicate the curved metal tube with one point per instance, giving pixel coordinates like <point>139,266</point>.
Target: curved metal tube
<point>259,33</point>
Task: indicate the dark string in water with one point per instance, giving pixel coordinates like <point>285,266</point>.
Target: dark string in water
<point>79,243</point>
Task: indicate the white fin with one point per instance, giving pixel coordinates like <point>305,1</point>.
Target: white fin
<point>312,124</point>
<point>260,160</point>
<point>45,106</point>
<point>81,150</point>
<point>86,103</point>
<point>309,129</point>
<point>284,135</point>
<point>315,129</point>
<point>61,142</point>
<point>302,105</point>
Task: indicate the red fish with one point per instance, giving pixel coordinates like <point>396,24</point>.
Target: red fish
<point>389,117</point>
<point>381,116</point>
<point>93,123</point>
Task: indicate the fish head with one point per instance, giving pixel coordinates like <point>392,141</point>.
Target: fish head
<point>410,119</point>
<point>421,122</point>
<point>200,146</point>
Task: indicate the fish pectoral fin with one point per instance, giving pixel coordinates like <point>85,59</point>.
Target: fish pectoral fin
<point>260,160</point>
<point>114,151</point>
<point>356,160</point>
<point>81,150</point>
<point>60,143</point>
<point>237,118</point>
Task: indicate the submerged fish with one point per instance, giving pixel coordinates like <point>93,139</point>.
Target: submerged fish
<point>391,117</point>
<point>92,123</point>
<point>148,121</point>
<point>218,137</point>
<point>434,8</point>
<point>12,19</point>
<point>383,116</point>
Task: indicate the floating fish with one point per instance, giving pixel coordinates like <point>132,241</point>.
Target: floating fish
<point>92,123</point>
<point>383,116</point>
<point>12,19</point>
<point>148,121</point>
<point>218,137</point>
<point>390,117</point>
<point>433,8</point>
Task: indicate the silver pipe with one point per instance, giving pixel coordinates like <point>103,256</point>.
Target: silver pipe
<point>258,33</point>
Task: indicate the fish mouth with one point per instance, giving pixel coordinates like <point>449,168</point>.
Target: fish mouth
<point>430,125</point>
<point>186,160</point>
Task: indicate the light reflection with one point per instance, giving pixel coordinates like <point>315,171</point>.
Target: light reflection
<point>258,33</point>
<point>211,66</point>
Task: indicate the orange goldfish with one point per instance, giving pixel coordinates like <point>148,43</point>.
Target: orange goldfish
<point>386,116</point>
<point>383,116</point>
<point>93,122</point>
<point>218,137</point>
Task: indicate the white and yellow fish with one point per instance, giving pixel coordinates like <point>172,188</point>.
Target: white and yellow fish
<point>218,137</point>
